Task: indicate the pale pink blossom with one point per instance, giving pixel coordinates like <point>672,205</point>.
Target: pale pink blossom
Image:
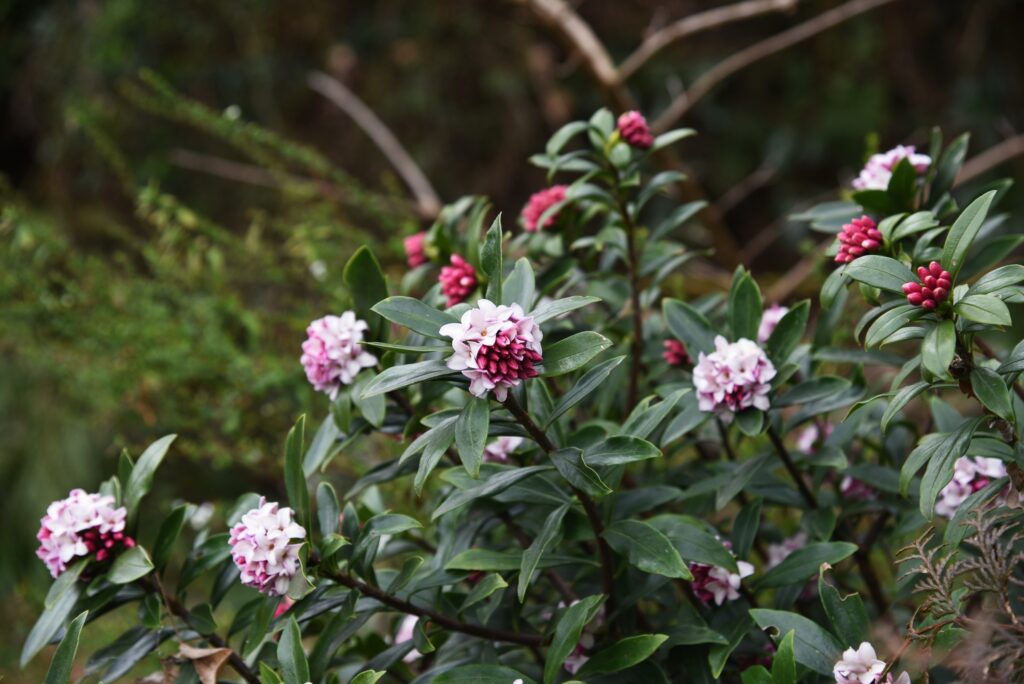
<point>81,525</point>
<point>500,449</point>
<point>969,475</point>
<point>539,202</point>
<point>732,378</point>
<point>333,354</point>
<point>718,584</point>
<point>780,552</point>
<point>877,172</point>
<point>406,628</point>
<point>808,438</point>
<point>496,347</point>
<point>263,550</point>
<point>858,666</point>
<point>769,319</point>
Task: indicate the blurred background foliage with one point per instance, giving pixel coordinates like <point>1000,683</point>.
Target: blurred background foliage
<point>176,202</point>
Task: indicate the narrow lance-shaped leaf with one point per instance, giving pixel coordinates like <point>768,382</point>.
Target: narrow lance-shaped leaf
<point>64,656</point>
<point>294,477</point>
<point>961,235</point>
<point>531,557</point>
<point>471,433</point>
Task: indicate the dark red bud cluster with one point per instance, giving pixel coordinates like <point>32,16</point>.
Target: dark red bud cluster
<point>857,238</point>
<point>934,287</point>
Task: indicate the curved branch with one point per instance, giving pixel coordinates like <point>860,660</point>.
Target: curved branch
<point>758,51</point>
<point>698,23</point>
<point>990,158</point>
<point>427,200</point>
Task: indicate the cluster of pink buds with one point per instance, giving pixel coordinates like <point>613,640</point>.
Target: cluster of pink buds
<point>414,253</point>
<point>857,238</point>
<point>933,288</point>
<point>634,130</point>
<point>675,353</point>
<point>540,202</point>
<point>457,280</point>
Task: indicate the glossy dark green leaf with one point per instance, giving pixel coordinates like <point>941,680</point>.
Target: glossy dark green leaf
<point>567,634</point>
<point>591,380</point>
<point>744,530</point>
<point>294,666</point>
<point>986,309</point>
<point>813,390</point>
<point>881,272</point>
<point>490,260</point>
<point>902,398</point>
<point>480,674</point>
<point>786,335</point>
<point>486,560</point>
<point>994,281</point>
<point>368,677</point>
<point>847,614</point>
<point>646,548</point>
<point>398,377</point>
<point>366,283</point>
<point>745,308</point>
<point>813,646</point>
<point>570,465</point>
<point>948,166</point>
<point>891,322</point>
<point>901,185</point>
<point>49,622</point>
<point>142,473</point>
<point>803,563</point>
<point>64,657</point>
<point>559,307</point>
<point>548,534</point>
<point>415,315</point>
<point>496,483</point>
<point>784,661</point>
<point>294,476</point>
<point>620,450</point>
<point>939,469</point>
<point>689,325</point>
<point>963,232</point>
<point>328,509</point>
<point>519,285</point>
<point>574,351</point>
<point>623,654</point>
<point>129,566</point>
<point>938,348</point>
<point>992,392</point>
<point>471,433</point>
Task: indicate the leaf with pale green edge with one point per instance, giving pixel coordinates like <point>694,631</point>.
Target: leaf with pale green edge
<point>547,536</point>
<point>847,614</point>
<point>619,450</point>
<point>471,433</point>
<point>745,308</point>
<point>328,509</point>
<point>571,466</point>
<point>1000,278</point>
<point>368,677</point>
<point>487,560</point>
<point>750,421</point>
<point>142,473</point>
<point>291,655</point>
<point>623,654</point>
<point>546,311</point>
<point>480,674</point>
<point>294,476</point>
<point>645,418</point>
<point>891,322</point>
<point>963,232</point>
<point>987,309</point>
<point>50,622</point>
<point>881,272</point>
<point>498,482</point>
<point>519,285</point>
<point>786,335</point>
<point>938,348</point>
<point>490,260</point>
<point>836,281</point>
<point>902,398</point>
<point>567,634</point>
<point>992,392</point>
<point>689,325</point>
<point>693,541</point>
<point>64,657</point>
<point>591,380</point>
<point>365,280</point>
<point>563,135</point>
<point>813,646</point>
<point>129,566</point>
<point>744,530</point>
<point>574,351</point>
<point>784,661</point>
<point>948,166</point>
<point>268,676</point>
<point>756,674</point>
<point>801,565</point>
<point>415,315</point>
<point>398,377</point>
<point>670,138</point>
<point>646,548</point>
<point>939,470</point>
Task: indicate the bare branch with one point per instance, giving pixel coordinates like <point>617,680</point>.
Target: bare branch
<point>697,23</point>
<point>223,168</point>
<point>990,158</point>
<point>426,198</point>
<point>758,51</point>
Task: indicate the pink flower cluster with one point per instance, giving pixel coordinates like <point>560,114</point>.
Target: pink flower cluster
<point>414,253</point>
<point>539,202</point>
<point>734,377</point>
<point>262,549</point>
<point>780,552</point>
<point>969,475</point>
<point>78,526</point>
<point>714,583</point>
<point>634,130</point>
<point>933,288</point>
<point>878,171</point>
<point>857,238</point>
<point>457,280</point>
<point>675,353</point>
<point>496,347</point>
<point>333,354</point>
<point>862,666</point>
<point>500,449</point>
<point>769,319</point>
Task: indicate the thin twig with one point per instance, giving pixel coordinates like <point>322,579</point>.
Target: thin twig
<point>698,23</point>
<point>992,157</point>
<point>334,90</point>
<point>794,472</point>
<point>760,177</point>
<point>633,264</point>
<point>757,52</point>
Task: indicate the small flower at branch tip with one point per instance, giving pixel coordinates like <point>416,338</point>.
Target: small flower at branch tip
<point>332,354</point>
<point>862,666</point>
<point>712,583</point>
<point>81,525</point>
<point>634,130</point>
<point>262,547</point>
<point>458,280</point>
<point>933,288</point>
<point>415,255</point>
<point>734,377</point>
<point>769,319</point>
<point>500,449</point>
<point>877,172</point>
<point>495,346</point>
<point>540,202</point>
<point>858,237</point>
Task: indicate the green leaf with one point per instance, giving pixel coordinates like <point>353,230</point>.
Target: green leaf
<point>992,392</point>
<point>847,614</point>
<point>987,309</point>
<point>564,135</point>
<point>366,283</point>
<point>939,471</point>
<point>902,398</point>
<point>398,377</point>
<point>646,548</point>
<point>498,482</point>
<point>559,307</point>
<point>571,466</point>
<point>784,660</point>
<point>803,563</point>
<point>890,322</point>
<point>881,272</point>
<point>142,474</point>
<point>490,260</point>
<point>645,418</point>
<point>693,541</point>
<point>812,391</point>
<point>567,634</point>
<point>744,530</point>
<point>50,622</point>
<point>66,581</point>
<point>938,348</point>
<point>170,528</point>
<point>689,325</point>
<point>756,674</point>
<point>745,308</point>
<point>471,433</point>
<point>368,677</point>
<point>623,654</point>
<point>130,566</point>
<point>480,674</point>
<point>1014,363</point>
<point>519,286</point>
<point>948,166</point>
<point>590,381</point>
<point>328,509</point>
<point>532,556</point>
<point>750,421</point>
<point>64,657</point>
<point>294,477</point>
<point>670,137</point>
<point>620,450</point>
<point>833,285</point>
<point>786,335</point>
<point>486,560</point>
<point>572,352</point>
<point>415,315</point>
<point>915,223</point>
<point>374,407</point>
<point>962,234</point>
<point>268,676</point>
<point>1000,278</point>
<point>483,589</point>
<point>813,646</point>
<point>901,185</point>
<point>294,666</point>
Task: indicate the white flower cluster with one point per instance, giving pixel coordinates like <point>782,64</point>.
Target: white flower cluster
<point>333,354</point>
<point>734,377</point>
<point>862,666</point>
<point>262,548</point>
<point>877,171</point>
<point>969,475</point>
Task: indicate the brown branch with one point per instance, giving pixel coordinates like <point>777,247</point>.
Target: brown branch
<point>427,200</point>
<point>441,619</point>
<point>990,158</point>
<point>698,23</point>
<point>757,52</point>
<point>794,472</point>
<point>227,169</point>
<point>757,179</point>
<point>633,264</point>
